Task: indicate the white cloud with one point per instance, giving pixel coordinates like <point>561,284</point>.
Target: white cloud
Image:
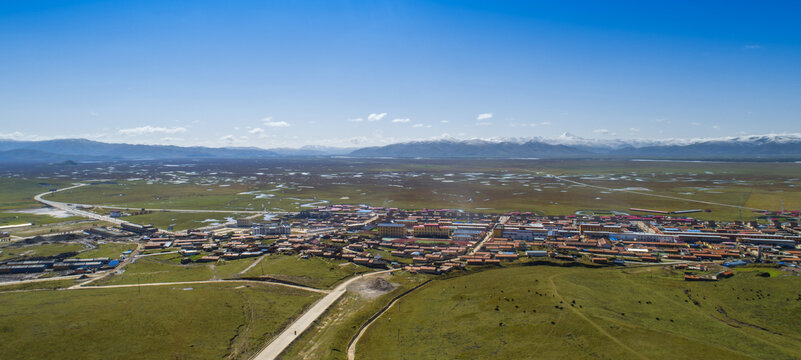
<point>276,124</point>
<point>421,126</point>
<point>484,116</point>
<point>516,124</point>
<point>376,116</point>
<point>231,139</point>
<point>444,121</point>
<point>634,130</point>
<point>752,47</point>
<point>19,136</point>
<point>13,136</point>
<point>544,123</point>
<point>171,139</point>
<point>696,124</point>
<point>716,127</point>
<point>147,129</point>
<point>256,131</point>
<point>356,120</point>
<point>603,132</point>
<point>401,120</point>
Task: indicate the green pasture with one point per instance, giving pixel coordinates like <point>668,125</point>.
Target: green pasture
<point>167,268</point>
<point>543,312</point>
<point>503,185</point>
<point>156,322</point>
<point>315,271</point>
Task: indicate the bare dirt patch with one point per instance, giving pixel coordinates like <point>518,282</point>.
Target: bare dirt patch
<point>372,287</point>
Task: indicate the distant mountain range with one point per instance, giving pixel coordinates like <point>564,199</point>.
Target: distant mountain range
<point>774,147</point>
<point>86,150</point>
<point>473,148</point>
<point>755,147</point>
<point>314,150</point>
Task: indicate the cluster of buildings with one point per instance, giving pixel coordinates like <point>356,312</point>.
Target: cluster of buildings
<point>439,241</point>
<point>71,266</point>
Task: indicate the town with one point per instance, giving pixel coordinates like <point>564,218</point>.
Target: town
<point>444,240</point>
<point>395,180</point>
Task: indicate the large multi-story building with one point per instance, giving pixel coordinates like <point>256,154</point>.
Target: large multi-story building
<point>521,232</point>
<point>600,227</point>
<point>390,230</point>
<point>244,222</point>
<point>271,229</point>
<point>467,234</point>
<point>432,230</point>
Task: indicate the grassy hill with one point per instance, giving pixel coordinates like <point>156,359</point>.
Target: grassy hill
<point>540,312</point>
<point>160,322</point>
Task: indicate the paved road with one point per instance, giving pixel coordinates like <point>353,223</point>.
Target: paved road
<point>72,210</point>
<point>182,210</point>
<point>501,220</point>
<point>203,282</point>
<point>293,331</point>
<point>63,206</point>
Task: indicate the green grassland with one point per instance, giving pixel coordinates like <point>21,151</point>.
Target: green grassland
<point>16,193</point>
<point>37,285</point>
<point>387,255</point>
<point>156,322</point>
<point>39,250</point>
<point>554,312</point>
<point>109,250</point>
<point>315,271</point>
<point>479,185</point>
<point>56,228</point>
<point>139,194</point>
<point>167,268</point>
<point>179,221</point>
<point>14,218</point>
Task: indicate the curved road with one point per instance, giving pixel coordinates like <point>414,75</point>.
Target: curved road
<point>71,209</point>
<point>202,282</point>
<point>293,331</point>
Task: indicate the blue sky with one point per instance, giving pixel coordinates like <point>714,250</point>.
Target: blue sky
<point>356,73</point>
